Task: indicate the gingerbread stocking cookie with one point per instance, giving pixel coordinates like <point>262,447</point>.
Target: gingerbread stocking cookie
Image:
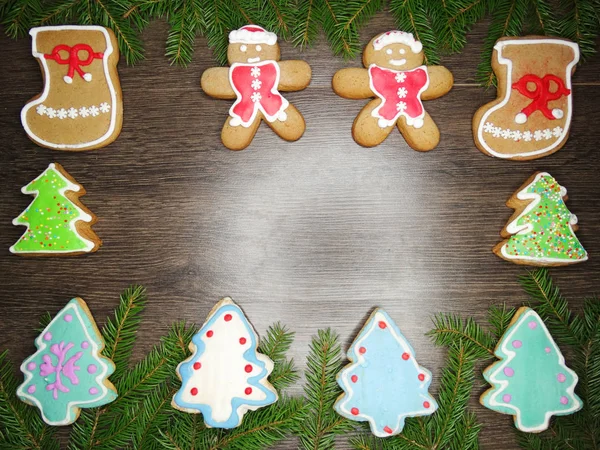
<point>396,76</point>
<point>254,79</point>
<point>80,107</point>
<point>532,114</point>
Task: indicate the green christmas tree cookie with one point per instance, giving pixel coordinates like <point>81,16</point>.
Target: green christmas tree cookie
<point>531,380</point>
<point>541,232</point>
<point>57,223</point>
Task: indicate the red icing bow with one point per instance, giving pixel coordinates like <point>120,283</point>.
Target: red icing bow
<point>73,59</point>
<point>540,95</point>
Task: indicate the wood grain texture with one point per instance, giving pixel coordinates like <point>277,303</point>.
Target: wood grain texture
<point>313,233</point>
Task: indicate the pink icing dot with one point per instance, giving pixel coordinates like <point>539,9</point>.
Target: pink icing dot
<point>31,366</point>
<point>547,349</point>
<point>517,344</point>
<point>561,377</point>
<point>48,336</point>
<point>564,400</point>
<point>85,344</point>
<point>508,371</point>
<point>92,368</point>
<point>506,398</point>
<point>31,389</point>
<point>68,317</point>
<point>532,325</point>
<point>93,391</point>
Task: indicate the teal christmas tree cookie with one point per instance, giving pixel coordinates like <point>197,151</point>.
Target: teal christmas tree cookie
<point>57,223</point>
<point>531,380</point>
<point>67,372</point>
<point>383,384</point>
<point>226,376</point>
<point>542,230</point>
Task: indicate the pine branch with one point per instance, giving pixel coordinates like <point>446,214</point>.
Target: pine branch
<point>274,15</point>
<point>414,16</point>
<point>20,424</point>
<point>275,345</point>
<point>451,329</point>
<point>466,436</point>
<point>453,19</point>
<point>185,24</point>
<point>321,423</point>
<point>45,320</point>
<point>220,17</point>
<point>542,20</point>
<point>17,16</point>
<point>307,22</point>
<point>581,24</point>
<point>499,317</point>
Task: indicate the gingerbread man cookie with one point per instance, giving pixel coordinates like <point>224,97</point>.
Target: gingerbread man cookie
<point>396,76</point>
<point>254,79</point>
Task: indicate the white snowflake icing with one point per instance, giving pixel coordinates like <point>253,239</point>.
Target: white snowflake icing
<point>506,134</point>
<point>84,112</point>
<point>488,127</point>
<point>51,112</point>
<point>557,131</point>
<point>402,92</point>
<point>255,97</point>
<point>104,107</point>
<point>61,113</point>
<point>400,77</point>
<point>517,135</point>
<point>527,136</point>
<point>72,113</point>
<point>94,111</point>
<point>496,132</point>
<point>401,106</point>
<point>256,84</point>
<point>41,110</point>
<point>255,72</point>
<point>538,135</point>
<point>547,133</point>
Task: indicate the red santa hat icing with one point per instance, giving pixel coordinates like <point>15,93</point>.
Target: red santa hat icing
<point>252,34</point>
<point>398,37</point>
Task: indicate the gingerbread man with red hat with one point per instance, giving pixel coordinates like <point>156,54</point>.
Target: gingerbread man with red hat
<point>396,76</point>
<point>254,79</point>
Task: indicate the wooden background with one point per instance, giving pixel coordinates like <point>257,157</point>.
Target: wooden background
<point>313,233</point>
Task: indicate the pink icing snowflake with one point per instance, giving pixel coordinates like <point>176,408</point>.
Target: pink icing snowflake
<point>67,368</point>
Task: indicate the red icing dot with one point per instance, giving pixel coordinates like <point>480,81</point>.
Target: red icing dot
<point>421,376</point>
<point>248,368</point>
<point>194,391</point>
<point>209,333</point>
<point>388,430</point>
<point>426,404</point>
<point>362,350</point>
<point>227,317</point>
<point>197,365</point>
<point>354,411</point>
<point>248,391</point>
<point>382,324</point>
<point>242,340</point>
<point>354,378</point>
<point>405,356</point>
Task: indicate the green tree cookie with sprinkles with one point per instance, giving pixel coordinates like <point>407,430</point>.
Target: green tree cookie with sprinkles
<point>541,232</point>
<point>57,223</point>
<point>67,372</point>
<point>383,384</point>
<point>531,380</point>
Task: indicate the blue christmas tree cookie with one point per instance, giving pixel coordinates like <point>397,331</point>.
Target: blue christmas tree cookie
<point>383,384</point>
<point>67,372</point>
<point>531,380</point>
<point>226,376</point>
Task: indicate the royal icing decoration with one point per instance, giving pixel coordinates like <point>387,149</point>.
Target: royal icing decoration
<point>51,219</point>
<point>531,381</point>
<point>252,34</point>
<point>73,112</point>
<point>522,136</point>
<point>400,94</point>
<point>383,384</point>
<point>255,86</point>
<point>67,372</point>
<point>543,232</point>
<point>540,95</point>
<point>226,376</point>
<point>73,60</point>
<point>397,37</point>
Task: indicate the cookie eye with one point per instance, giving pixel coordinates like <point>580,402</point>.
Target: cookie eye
<point>258,48</point>
<point>402,51</point>
<point>243,48</point>
<point>389,51</point>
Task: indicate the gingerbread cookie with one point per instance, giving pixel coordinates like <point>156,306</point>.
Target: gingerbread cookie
<point>396,76</point>
<point>383,384</point>
<point>531,381</point>
<point>57,223</point>
<point>226,376</point>
<point>532,115</point>
<point>255,78</point>
<point>541,232</point>
<point>68,372</point>
<point>80,107</point>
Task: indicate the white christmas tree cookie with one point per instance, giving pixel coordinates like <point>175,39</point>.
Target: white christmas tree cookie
<point>383,384</point>
<point>226,376</point>
<point>67,372</point>
<point>531,381</point>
